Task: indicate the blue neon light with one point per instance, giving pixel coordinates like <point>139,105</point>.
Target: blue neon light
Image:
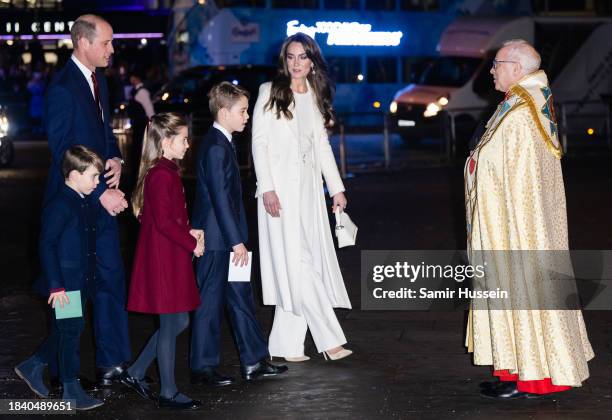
<point>347,33</point>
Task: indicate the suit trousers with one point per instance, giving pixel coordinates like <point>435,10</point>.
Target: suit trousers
<point>217,295</point>
<point>110,318</point>
<point>61,348</point>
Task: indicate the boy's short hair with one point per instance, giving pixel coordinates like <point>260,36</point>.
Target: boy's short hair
<point>225,95</point>
<point>79,158</point>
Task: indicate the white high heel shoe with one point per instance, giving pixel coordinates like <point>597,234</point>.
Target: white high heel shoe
<point>296,359</point>
<point>303,358</point>
<point>337,355</point>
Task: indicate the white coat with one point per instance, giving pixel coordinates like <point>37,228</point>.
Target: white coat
<point>277,166</point>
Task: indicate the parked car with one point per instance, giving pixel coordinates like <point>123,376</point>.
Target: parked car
<point>6,144</point>
<point>459,80</point>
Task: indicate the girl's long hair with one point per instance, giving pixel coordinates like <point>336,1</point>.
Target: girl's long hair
<point>281,95</point>
<point>161,126</point>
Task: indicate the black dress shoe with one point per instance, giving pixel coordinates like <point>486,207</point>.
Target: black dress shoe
<point>506,391</point>
<point>172,404</point>
<point>488,384</point>
<point>139,386</point>
<point>261,368</point>
<point>56,389</point>
<point>106,376</point>
<point>211,377</point>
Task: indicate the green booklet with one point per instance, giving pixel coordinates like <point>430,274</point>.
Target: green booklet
<point>74,309</point>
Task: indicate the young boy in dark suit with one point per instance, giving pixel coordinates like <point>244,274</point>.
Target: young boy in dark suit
<point>67,251</point>
<point>218,209</point>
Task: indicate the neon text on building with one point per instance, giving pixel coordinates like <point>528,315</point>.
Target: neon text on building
<point>347,33</point>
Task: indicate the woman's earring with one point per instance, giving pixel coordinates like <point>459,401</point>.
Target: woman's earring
<point>313,70</point>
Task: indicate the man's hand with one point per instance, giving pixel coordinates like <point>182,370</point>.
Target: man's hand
<point>113,174</point>
<point>113,201</point>
<point>60,297</point>
<point>272,203</point>
<point>198,234</point>
<point>241,255</point>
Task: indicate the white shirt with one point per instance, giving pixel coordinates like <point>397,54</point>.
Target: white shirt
<point>87,73</point>
<point>143,97</point>
<point>223,130</point>
<point>304,112</point>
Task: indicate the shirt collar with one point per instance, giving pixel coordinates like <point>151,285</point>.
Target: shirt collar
<point>223,130</point>
<point>82,67</point>
<point>73,194</point>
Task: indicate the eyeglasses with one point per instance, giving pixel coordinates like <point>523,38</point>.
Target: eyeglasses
<point>496,62</point>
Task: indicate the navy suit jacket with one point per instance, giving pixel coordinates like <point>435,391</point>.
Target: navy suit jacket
<point>218,207</point>
<point>71,117</point>
<point>67,242</point>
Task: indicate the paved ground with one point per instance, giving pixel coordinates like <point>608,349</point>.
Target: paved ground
<point>406,364</point>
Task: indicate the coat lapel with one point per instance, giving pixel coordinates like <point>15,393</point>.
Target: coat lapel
<point>103,89</point>
<point>221,139</point>
<point>83,86</point>
<point>317,120</point>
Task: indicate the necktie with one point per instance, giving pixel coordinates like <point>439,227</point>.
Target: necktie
<point>96,93</point>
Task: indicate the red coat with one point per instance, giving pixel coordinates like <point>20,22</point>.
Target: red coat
<point>162,274</point>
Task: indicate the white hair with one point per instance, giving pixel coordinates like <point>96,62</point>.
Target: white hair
<point>523,52</point>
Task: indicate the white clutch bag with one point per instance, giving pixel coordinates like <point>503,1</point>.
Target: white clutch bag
<point>346,230</point>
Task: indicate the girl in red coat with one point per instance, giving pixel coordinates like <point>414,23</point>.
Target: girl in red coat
<point>162,276</point>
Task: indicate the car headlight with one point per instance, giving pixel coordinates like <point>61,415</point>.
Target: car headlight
<point>443,100</point>
<point>432,110</point>
<point>393,107</point>
<point>4,126</point>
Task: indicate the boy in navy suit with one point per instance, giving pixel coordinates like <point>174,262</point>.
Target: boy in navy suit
<point>67,251</point>
<point>218,209</point>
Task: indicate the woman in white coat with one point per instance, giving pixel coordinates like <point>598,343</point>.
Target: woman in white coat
<point>299,268</point>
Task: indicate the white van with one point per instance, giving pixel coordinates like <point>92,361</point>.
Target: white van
<point>459,79</point>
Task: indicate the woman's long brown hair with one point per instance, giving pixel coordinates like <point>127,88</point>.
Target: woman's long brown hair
<point>161,126</point>
<point>281,95</point>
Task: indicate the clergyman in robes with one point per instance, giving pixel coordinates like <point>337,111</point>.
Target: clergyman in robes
<point>515,203</point>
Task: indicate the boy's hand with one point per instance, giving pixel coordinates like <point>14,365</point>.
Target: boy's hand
<point>58,296</point>
<point>241,255</point>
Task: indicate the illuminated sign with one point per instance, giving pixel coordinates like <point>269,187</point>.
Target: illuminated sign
<point>39,27</point>
<point>347,33</point>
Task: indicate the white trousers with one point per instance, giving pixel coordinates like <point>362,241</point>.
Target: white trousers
<point>289,330</point>
<point>317,313</point>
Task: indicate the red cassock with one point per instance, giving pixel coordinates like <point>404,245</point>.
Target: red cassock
<point>162,274</point>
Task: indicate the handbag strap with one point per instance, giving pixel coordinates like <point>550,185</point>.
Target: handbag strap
<point>338,213</point>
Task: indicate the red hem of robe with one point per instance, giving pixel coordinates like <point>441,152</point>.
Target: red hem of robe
<point>541,386</point>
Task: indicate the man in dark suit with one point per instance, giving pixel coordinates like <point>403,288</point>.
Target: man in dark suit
<point>77,112</point>
<point>218,209</point>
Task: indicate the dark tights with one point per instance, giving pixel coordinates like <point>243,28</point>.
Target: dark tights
<point>162,345</point>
